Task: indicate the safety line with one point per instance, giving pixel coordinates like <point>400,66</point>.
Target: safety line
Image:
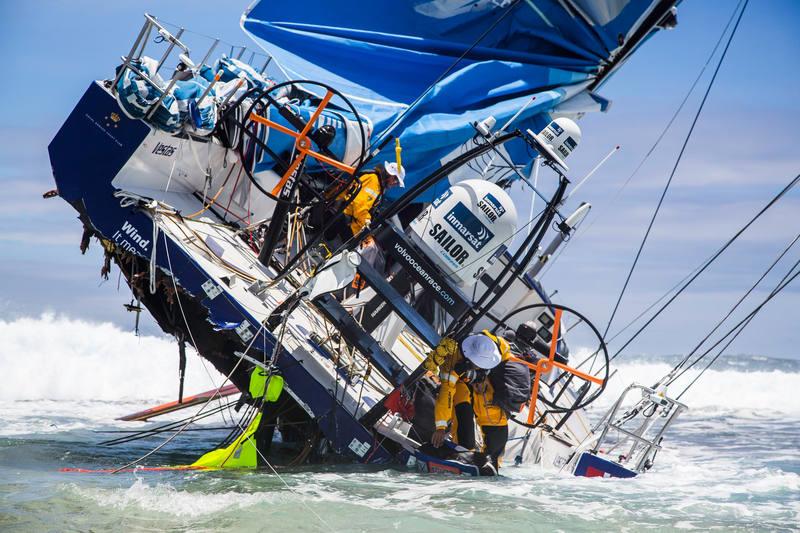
<point>675,168</point>
<point>785,281</point>
<point>713,258</point>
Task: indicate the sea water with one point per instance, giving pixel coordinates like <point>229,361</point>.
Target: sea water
<point>731,462</point>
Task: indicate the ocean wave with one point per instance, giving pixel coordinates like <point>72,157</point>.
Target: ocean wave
<point>53,357</point>
<point>60,358</point>
<point>164,498</point>
<point>723,391</point>
<point>351,500</point>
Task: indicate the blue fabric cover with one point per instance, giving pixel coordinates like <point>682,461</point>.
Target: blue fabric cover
<point>384,54</point>
<point>179,107</point>
<point>232,69</point>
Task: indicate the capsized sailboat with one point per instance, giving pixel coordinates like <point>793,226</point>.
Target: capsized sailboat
<point>213,190</point>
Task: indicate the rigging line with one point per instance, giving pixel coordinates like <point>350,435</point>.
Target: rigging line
<point>657,301</point>
<point>780,285</point>
<point>286,484</point>
<point>714,359</point>
<point>690,276</point>
<point>710,261</point>
<point>275,354</point>
<point>675,167</point>
<point>203,428</point>
<point>145,433</point>
<point>390,128</point>
<point>180,306</point>
<point>211,37</point>
<point>738,303</point>
<point>652,305</point>
<point>210,399</point>
<point>740,326</point>
<point>671,121</point>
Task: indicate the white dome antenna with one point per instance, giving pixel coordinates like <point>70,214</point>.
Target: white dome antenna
<point>557,140</point>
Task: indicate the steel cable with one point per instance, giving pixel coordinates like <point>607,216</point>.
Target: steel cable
<point>675,168</point>
<point>713,258</point>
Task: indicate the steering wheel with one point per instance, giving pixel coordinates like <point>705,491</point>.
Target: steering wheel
<point>309,142</point>
<point>594,380</point>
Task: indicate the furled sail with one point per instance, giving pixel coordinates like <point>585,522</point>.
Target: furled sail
<point>425,70</point>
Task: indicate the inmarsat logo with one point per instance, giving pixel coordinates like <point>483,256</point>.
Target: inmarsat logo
<point>468,226</point>
<point>164,149</point>
<point>442,198</point>
<point>567,146</point>
<point>491,207</point>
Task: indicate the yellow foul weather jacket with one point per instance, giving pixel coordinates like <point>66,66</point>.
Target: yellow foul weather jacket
<point>442,360</point>
<point>359,209</point>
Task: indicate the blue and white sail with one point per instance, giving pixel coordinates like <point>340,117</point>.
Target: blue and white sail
<point>424,70</point>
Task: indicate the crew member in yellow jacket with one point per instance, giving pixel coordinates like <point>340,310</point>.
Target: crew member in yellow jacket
<point>358,214</point>
<point>465,391</point>
<point>372,186</point>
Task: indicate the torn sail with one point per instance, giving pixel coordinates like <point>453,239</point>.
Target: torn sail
<point>425,70</point>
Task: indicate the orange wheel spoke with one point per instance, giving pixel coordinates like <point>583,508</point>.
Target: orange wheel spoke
<point>302,143</point>
<point>534,396</point>
<point>275,125</point>
<point>578,373</point>
<point>329,160</point>
<point>543,366</point>
<point>291,170</point>
<point>322,105</point>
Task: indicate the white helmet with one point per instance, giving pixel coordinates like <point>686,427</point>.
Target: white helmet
<point>559,139</point>
<point>481,351</point>
<point>398,172</point>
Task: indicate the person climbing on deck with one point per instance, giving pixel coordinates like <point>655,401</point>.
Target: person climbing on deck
<point>372,185</point>
<point>358,214</point>
<point>467,393</point>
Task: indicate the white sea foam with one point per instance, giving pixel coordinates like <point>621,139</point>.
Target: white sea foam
<point>718,390</point>
<point>720,468</point>
<point>717,492</point>
<point>59,358</point>
<point>164,498</point>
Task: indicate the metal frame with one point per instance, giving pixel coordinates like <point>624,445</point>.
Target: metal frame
<point>663,408</point>
<point>174,41</point>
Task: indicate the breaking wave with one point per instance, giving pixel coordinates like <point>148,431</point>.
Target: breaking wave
<point>60,358</point>
<point>722,390</point>
<point>81,375</point>
<point>54,357</point>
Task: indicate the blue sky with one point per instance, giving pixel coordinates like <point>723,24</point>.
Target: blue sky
<point>743,151</point>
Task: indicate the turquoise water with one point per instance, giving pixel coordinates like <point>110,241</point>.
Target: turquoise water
<point>732,462</point>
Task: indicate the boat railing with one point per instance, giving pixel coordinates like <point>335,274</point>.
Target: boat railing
<point>140,44</point>
<point>633,436</point>
<point>164,35</point>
